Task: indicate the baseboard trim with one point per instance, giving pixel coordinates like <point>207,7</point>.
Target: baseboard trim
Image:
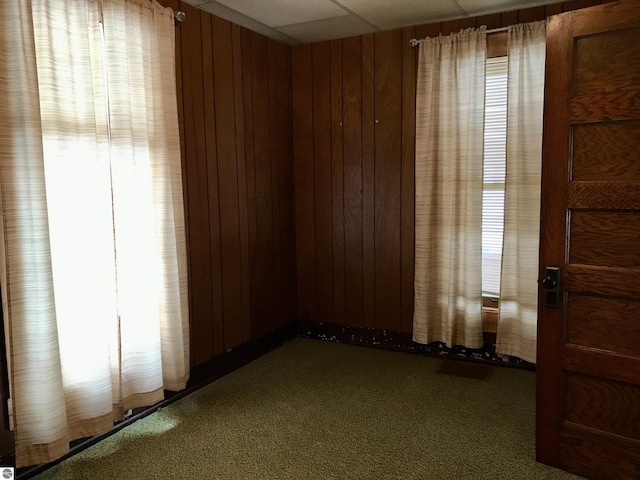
<point>201,375</point>
<point>231,360</point>
<point>403,342</point>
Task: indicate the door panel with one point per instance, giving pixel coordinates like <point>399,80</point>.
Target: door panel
<point>611,49</point>
<point>588,413</point>
<point>605,323</point>
<point>605,238</point>
<point>606,152</point>
<point>585,391</point>
<point>597,454</point>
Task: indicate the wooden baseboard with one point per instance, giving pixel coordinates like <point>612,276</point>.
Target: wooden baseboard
<point>235,358</point>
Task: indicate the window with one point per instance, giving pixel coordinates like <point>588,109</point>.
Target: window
<point>495,140</point>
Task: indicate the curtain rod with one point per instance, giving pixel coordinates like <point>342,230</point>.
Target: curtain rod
<point>180,16</point>
<point>415,41</point>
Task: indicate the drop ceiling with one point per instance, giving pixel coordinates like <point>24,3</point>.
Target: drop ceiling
<point>303,21</point>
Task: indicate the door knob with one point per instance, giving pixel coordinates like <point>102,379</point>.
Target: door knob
<point>549,282</point>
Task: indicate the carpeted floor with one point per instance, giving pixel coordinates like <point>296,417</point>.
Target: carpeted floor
<point>320,410</point>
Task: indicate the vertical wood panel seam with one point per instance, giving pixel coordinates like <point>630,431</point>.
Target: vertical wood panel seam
<point>313,176</point>
<point>362,175</point>
<point>253,141</point>
<point>208,210</point>
<point>402,203</point>
<point>373,186</point>
<point>292,210</point>
<point>277,225</point>
<point>235,136</point>
<point>250,167</point>
<point>269,127</point>
<point>217,142</point>
<point>344,203</point>
<point>333,263</point>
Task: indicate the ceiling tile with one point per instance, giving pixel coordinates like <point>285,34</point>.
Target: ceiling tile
<point>239,19</point>
<point>276,13</point>
<point>391,14</point>
<point>328,29</point>
<point>295,21</point>
<point>483,7</point>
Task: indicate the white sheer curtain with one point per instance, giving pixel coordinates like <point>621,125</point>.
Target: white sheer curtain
<point>518,288</point>
<point>93,229</point>
<point>449,145</point>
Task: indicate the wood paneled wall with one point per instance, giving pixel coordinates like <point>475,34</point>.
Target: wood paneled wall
<point>234,99</point>
<point>354,138</point>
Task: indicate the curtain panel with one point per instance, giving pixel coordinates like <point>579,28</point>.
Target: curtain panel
<point>93,244</point>
<point>448,210</point>
<point>517,324</point>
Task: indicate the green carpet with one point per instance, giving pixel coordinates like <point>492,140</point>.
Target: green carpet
<point>319,410</point>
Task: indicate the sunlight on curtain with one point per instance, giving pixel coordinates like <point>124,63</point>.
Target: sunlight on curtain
<point>147,187</point>
<point>449,145</point>
<point>73,117</point>
<point>92,212</point>
<point>517,324</point>
<point>29,280</point>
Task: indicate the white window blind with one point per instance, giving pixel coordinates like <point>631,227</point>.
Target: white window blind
<point>495,142</point>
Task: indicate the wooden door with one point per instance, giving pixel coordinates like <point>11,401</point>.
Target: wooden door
<point>588,391</point>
